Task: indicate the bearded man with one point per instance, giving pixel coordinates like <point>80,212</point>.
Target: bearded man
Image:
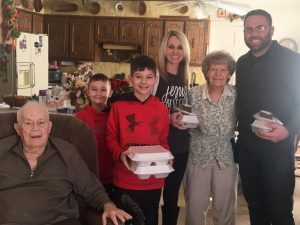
<point>267,78</point>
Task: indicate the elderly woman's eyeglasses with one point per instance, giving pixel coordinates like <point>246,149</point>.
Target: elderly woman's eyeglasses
<point>257,29</point>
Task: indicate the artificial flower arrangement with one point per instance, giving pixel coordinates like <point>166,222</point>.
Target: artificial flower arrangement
<point>119,86</point>
<point>10,20</point>
<point>76,83</point>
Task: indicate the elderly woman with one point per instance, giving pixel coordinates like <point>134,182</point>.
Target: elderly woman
<point>211,170</point>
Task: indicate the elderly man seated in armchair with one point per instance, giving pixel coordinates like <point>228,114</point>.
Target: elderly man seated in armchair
<point>39,174</point>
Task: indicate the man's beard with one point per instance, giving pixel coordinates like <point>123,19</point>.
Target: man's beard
<point>265,43</point>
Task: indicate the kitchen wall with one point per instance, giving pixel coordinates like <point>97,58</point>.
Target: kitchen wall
<point>285,20</point>
<point>285,15</point>
<point>229,35</point>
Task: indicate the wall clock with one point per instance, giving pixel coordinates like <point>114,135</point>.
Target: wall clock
<point>289,43</point>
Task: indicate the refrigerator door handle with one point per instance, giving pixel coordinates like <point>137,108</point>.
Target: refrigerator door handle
<point>32,73</point>
<point>24,75</point>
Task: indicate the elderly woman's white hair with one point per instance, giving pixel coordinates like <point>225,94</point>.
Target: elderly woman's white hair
<point>219,57</point>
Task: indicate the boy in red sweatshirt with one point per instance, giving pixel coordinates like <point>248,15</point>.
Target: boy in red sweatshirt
<point>135,120</point>
<point>95,116</point>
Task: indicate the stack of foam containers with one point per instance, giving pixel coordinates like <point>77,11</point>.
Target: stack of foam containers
<point>149,161</point>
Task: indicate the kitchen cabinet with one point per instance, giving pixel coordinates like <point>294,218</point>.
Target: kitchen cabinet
<point>197,34</point>
<point>174,25</point>
<point>132,31</point>
<point>37,24</point>
<point>119,31</point>
<point>31,22</point>
<point>25,21</point>
<point>81,39</point>
<point>153,37</point>
<point>57,29</point>
<point>107,30</point>
<point>70,38</point>
<point>76,37</point>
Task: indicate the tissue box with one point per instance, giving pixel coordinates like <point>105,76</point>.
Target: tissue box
<point>66,110</point>
<point>191,121</point>
<point>150,160</point>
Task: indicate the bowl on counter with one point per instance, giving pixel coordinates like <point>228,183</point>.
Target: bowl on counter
<point>15,100</point>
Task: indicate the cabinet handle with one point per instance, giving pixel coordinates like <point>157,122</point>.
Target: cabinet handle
<point>193,43</point>
<point>80,38</point>
<point>57,37</point>
<point>130,32</point>
<point>105,31</point>
<point>152,42</point>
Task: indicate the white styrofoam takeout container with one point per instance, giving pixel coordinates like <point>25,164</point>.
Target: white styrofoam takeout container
<point>259,124</point>
<point>161,171</point>
<point>149,155</point>
<point>191,121</point>
<point>272,118</point>
<point>150,160</point>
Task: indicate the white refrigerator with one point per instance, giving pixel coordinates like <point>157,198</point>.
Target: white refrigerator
<point>31,63</point>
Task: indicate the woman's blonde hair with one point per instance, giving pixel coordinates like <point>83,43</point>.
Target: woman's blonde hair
<point>183,69</point>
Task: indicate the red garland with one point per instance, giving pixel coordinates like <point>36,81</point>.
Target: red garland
<point>10,20</point>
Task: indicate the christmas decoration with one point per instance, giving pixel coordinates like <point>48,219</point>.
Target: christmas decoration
<point>10,20</point>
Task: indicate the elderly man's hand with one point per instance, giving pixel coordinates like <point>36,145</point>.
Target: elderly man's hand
<point>278,133</point>
<point>112,212</point>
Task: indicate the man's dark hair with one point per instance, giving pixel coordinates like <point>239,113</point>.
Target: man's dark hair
<point>141,63</point>
<point>259,12</point>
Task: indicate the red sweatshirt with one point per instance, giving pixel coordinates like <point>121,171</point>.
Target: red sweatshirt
<point>130,123</point>
<point>97,121</point>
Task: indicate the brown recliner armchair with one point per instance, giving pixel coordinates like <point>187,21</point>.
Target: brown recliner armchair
<point>74,131</point>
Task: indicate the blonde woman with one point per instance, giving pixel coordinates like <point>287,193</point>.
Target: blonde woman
<point>173,66</point>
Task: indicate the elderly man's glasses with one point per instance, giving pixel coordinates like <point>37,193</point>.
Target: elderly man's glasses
<point>29,124</point>
<point>258,29</point>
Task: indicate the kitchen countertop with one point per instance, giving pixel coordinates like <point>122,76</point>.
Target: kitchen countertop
<point>52,108</point>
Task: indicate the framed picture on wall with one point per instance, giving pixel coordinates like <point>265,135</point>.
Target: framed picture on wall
<point>221,13</point>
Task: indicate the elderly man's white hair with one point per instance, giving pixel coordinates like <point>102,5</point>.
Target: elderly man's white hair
<point>29,104</point>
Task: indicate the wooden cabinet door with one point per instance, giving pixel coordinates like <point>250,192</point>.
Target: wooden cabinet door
<point>37,24</point>
<point>25,21</point>
<point>82,38</point>
<point>174,25</point>
<point>57,29</point>
<point>107,30</point>
<point>153,38</point>
<point>197,34</point>
<point>131,31</point>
